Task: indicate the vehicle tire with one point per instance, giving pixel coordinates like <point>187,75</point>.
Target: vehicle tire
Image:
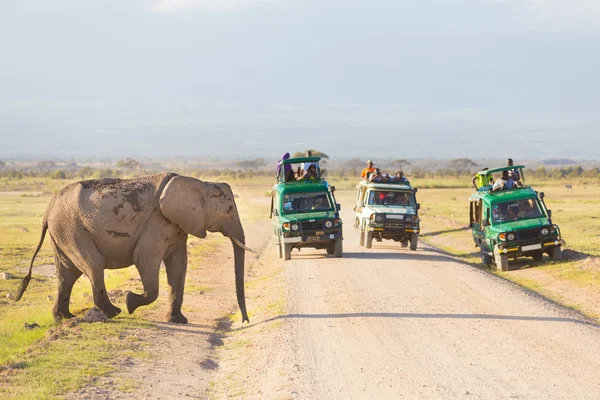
<point>414,240</point>
<point>339,247</point>
<point>361,239</point>
<point>404,243</point>
<point>330,247</point>
<point>556,254</point>
<point>280,248</point>
<point>501,262</point>
<point>369,240</point>
<point>287,251</point>
<point>486,259</point>
<point>537,256</point>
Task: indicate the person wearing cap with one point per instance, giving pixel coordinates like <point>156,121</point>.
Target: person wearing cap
<point>309,163</point>
<point>367,171</point>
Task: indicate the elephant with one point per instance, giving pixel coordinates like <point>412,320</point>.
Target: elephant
<point>115,223</point>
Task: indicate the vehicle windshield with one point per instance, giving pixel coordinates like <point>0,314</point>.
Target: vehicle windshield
<point>390,198</point>
<point>516,210</point>
<point>306,202</point>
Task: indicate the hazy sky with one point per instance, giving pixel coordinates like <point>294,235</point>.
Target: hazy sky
<point>412,79</point>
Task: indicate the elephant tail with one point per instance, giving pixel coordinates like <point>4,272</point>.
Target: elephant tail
<point>25,281</point>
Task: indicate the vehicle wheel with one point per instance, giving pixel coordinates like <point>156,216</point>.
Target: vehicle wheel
<point>330,247</point>
<point>537,256</point>
<point>339,247</point>
<point>361,239</point>
<point>556,254</point>
<point>369,240</point>
<point>287,251</point>
<point>486,259</point>
<point>501,262</point>
<point>414,240</point>
<point>280,248</point>
<point>404,243</point>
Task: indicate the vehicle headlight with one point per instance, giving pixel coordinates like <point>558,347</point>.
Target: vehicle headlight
<point>378,217</point>
<point>295,227</point>
<point>511,236</point>
<point>545,231</point>
<point>328,224</point>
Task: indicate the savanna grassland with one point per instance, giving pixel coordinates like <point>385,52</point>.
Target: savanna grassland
<point>51,360</point>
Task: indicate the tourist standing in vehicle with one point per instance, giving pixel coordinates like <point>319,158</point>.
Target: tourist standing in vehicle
<point>309,163</point>
<point>400,178</point>
<point>513,173</point>
<point>367,171</point>
<point>479,181</point>
<point>286,167</point>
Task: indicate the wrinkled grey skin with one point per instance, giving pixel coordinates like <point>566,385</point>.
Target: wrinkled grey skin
<point>112,223</point>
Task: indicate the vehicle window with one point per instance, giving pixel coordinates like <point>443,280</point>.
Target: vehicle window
<point>476,211</point>
<point>516,210</point>
<point>306,202</point>
<point>390,198</point>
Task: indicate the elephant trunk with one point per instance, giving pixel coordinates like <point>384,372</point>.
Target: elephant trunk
<point>239,257</point>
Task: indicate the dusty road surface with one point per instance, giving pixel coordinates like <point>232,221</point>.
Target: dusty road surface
<point>388,323</point>
<point>384,323</point>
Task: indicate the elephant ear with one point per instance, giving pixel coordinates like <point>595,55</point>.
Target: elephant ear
<point>182,202</point>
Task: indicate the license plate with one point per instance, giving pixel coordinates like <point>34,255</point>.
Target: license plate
<point>531,247</point>
<point>313,238</point>
<point>393,216</point>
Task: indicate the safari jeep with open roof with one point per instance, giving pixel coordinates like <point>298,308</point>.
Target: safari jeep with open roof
<point>512,223</point>
<point>305,212</point>
<point>387,211</point>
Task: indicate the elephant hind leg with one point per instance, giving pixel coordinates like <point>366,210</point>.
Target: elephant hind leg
<point>67,275</point>
<point>148,269</point>
<point>89,260</point>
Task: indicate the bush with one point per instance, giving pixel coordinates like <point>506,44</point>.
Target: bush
<point>59,174</point>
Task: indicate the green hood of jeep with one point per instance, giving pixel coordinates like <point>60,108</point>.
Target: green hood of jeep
<point>309,215</point>
<point>518,225</point>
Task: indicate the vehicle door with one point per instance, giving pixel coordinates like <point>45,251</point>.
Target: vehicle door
<point>360,203</point>
<point>275,212</point>
<point>476,222</point>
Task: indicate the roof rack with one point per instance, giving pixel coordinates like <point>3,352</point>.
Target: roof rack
<point>299,160</point>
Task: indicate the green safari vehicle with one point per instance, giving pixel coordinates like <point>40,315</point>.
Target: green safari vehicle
<point>305,212</point>
<point>512,223</point>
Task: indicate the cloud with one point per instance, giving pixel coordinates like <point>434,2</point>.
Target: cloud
<point>176,6</point>
<point>559,13</point>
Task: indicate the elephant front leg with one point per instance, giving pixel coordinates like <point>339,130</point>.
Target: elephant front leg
<point>176,266</point>
<point>148,269</point>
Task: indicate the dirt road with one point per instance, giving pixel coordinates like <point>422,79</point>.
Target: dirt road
<point>392,323</point>
<point>383,323</point>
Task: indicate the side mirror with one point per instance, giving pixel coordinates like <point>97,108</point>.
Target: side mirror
<point>486,222</point>
<point>361,204</point>
<point>549,213</point>
<point>339,207</point>
<point>418,206</point>
<point>332,189</point>
<point>275,213</point>
<point>416,190</point>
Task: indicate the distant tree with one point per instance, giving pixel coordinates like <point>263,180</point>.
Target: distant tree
<point>58,174</point>
<point>401,163</point>
<point>85,172</point>
<point>592,173</point>
<point>462,164</point>
<point>315,153</point>
<point>540,171</point>
<point>2,164</point>
<point>251,164</point>
<point>128,163</point>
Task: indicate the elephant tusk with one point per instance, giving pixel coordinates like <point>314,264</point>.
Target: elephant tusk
<point>242,246</point>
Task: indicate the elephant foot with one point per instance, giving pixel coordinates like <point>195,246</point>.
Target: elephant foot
<point>133,301</point>
<point>177,318</point>
<point>111,311</point>
<point>59,316</point>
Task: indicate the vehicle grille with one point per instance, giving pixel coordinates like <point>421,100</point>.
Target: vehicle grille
<point>311,226</point>
<point>529,236</point>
